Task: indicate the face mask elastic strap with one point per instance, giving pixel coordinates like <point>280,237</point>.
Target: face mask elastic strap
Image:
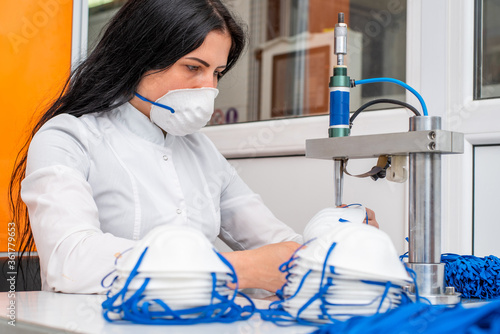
<point>224,311</point>
<point>230,266</point>
<point>316,296</point>
<point>384,295</point>
<point>116,277</point>
<point>285,266</point>
<point>300,284</point>
<point>155,103</point>
<point>132,303</point>
<point>322,288</point>
<point>108,304</point>
<point>325,262</point>
<point>105,277</point>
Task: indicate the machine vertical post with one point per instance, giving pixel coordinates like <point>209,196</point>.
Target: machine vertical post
<point>425,198</point>
<point>424,253</point>
<point>339,180</point>
<point>339,86</point>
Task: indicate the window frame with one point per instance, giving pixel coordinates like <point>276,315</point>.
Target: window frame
<point>79,34</point>
<point>478,119</point>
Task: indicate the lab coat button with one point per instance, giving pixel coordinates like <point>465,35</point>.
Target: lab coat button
<point>165,158</point>
<point>179,211</point>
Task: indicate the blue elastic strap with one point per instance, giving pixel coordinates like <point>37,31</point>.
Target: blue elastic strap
<point>136,310</point>
<point>114,270</point>
<point>300,284</point>
<point>287,265</point>
<point>357,204</point>
<point>279,315</point>
<point>109,304</point>
<point>326,260</point>
<point>105,277</point>
<point>397,82</point>
<point>155,103</point>
<point>276,312</point>
<point>423,318</point>
<point>472,276</point>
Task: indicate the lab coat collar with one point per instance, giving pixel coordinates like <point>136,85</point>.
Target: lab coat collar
<point>139,124</point>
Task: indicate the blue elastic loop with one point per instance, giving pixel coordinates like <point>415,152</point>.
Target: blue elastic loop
<point>384,295</point>
<point>472,276</point>
<point>326,260</point>
<point>397,82</point>
<point>104,278</point>
<point>109,304</point>
<point>356,204</point>
<point>230,266</point>
<point>423,318</point>
<point>116,277</point>
<point>155,103</point>
<point>157,312</point>
<point>287,265</point>
<point>300,284</point>
<point>277,313</point>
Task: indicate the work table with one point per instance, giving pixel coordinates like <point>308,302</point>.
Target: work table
<point>48,312</point>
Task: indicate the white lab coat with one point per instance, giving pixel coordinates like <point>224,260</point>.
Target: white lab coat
<point>96,184</point>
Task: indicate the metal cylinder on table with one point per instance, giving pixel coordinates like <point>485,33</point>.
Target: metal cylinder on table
<point>425,198</point>
<point>424,254</point>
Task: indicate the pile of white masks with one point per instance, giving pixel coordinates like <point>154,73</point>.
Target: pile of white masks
<point>173,276</point>
<point>346,269</point>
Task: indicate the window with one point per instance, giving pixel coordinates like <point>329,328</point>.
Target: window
<point>286,69</point>
<point>100,12</point>
<point>487,50</point>
<point>486,182</point>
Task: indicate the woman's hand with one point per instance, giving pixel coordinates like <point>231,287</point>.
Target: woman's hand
<point>259,268</point>
<point>371,218</point>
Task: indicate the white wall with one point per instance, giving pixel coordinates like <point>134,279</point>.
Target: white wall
<point>296,188</point>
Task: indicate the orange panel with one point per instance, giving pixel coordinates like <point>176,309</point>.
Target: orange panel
<point>35,58</point>
<point>323,15</point>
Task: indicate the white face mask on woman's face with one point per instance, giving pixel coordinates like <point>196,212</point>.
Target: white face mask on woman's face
<point>183,111</point>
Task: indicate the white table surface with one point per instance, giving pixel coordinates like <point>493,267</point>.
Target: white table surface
<point>48,312</point>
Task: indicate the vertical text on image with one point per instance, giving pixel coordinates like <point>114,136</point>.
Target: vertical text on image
<point>11,273</point>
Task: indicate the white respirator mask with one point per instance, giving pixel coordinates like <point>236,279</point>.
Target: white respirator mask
<point>326,219</point>
<point>182,112</point>
<point>174,276</point>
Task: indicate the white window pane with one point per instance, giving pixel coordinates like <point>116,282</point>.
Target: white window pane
<point>486,199</point>
<point>487,56</point>
<point>286,71</point>
<point>100,12</point>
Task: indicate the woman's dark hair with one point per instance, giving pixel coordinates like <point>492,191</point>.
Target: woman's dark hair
<point>144,35</point>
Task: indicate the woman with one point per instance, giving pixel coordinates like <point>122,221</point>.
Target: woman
<point>99,174</point>
<point>106,163</point>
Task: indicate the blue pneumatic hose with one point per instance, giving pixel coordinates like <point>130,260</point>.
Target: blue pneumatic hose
<point>397,82</point>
